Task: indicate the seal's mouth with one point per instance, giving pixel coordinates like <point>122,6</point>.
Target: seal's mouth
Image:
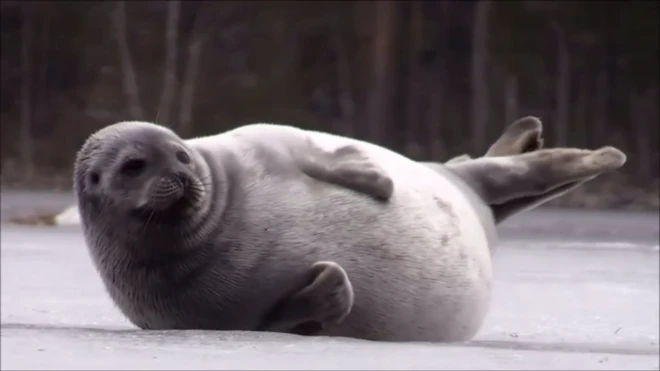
<point>170,195</point>
<point>166,191</point>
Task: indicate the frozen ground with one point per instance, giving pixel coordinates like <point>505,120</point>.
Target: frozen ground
<point>574,290</point>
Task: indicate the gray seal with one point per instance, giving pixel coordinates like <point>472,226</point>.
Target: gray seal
<point>230,232</point>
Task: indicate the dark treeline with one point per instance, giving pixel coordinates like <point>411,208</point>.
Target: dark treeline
<point>431,79</point>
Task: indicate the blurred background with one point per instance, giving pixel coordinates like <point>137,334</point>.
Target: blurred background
<point>430,79</point>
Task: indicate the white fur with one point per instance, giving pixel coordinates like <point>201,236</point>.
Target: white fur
<point>419,264</point>
<point>430,290</point>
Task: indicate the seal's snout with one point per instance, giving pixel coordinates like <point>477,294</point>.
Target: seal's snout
<point>169,186</point>
<point>166,191</point>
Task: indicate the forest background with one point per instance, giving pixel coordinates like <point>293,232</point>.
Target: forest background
<point>429,79</point>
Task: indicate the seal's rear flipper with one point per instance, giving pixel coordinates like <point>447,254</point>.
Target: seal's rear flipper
<point>349,167</point>
<point>325,298</point>
<point>524,181</point>
<point>522,136</point>
<point>505,210</point>
<point>495,179</point>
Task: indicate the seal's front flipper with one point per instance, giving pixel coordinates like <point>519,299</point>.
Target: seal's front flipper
<point>538,176</point>
<point>522,136</point>
<point>326,298</point>
<point>349,167</point>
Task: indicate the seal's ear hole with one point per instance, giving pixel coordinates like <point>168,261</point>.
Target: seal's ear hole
<point>94,178</point>
<point>133,167</point>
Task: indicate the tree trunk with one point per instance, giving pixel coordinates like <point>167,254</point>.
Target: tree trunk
<point>362,24</point>
<point>581,116</point>
<point>436,145</point>
<point>26,142</point>
<point>653,131</point>
<point>639,114</point>
<point>287,58</point>
<point>129,77</point>
<point>197,40</point>
<point>563,88</point>
<point>42,111</point>
<point>169,71</point>
<point>511,98</point>
<point>346,98</point>
<point>413,122</point>
<point>203,27</point>
<point>479,92</point>
<point>435,77</point>
<point>379,103</point>
<point>602,108</point>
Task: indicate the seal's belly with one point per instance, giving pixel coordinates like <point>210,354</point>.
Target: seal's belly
<point>419,264</point>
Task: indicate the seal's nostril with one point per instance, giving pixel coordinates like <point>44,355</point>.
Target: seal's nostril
<point>183,157</point>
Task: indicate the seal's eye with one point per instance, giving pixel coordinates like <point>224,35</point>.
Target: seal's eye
<point>133,167</point>
<point>183,157</point>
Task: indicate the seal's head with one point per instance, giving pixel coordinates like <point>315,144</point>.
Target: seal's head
<point>139,171</point>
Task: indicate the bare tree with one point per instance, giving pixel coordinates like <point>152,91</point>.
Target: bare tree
<point>362,21</point>
<point>42,87</point>
<point>479,104</point>
<point>189,83</point>
<point>434,114</point>
<point>436,79</point>
<point>510,98</point>
<point>169,71</point>
<point>346,98</point>
<point>581,115</point>
<point>640,112</point>
<point>382,63</point>
<point>26,142</point>
<point>602,97</point>
<point>414,121</point>
<point>129,76</point>
<point>204,26</point>
<point>562,91</point>
<point>198,37</point>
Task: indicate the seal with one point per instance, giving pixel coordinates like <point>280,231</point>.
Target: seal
<point>229,232</point>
